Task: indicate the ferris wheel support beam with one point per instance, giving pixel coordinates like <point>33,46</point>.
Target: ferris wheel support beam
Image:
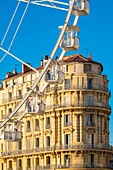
<point>57,2</point>
<point>12,55</point>
<point>50,6</point>
<point>45,68</point>
<point>38,3</point>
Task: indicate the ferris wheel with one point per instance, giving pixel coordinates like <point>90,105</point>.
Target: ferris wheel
<point>68,41</point>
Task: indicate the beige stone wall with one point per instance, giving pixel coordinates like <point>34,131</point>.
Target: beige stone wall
<point>79,102</point>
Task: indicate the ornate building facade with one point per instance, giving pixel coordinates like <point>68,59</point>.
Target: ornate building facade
<point>73,133</point>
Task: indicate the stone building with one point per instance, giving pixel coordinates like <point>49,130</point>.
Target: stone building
<point>73,133</point>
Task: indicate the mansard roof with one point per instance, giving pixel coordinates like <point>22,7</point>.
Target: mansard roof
<point>80,58</point>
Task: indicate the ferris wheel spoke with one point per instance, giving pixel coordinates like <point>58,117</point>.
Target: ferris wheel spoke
<point>10,23</point>
<point>15,57</point>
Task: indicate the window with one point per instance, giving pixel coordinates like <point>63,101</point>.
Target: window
<point>36,124</point>
<point>28,88</point>
<point>89,81</point>
<point>87,67</point>
<point>19,145</point>
<point>66,68</point>
<point>67,83</point>
<point>90,100</point>
<point>2,165</point>
<point>20,163</point>
<point>77,82</point>
<point>37,142</point>
<point>28,162</point>
<point>14,81</point>
<point>10,96</point>
<point>1,146</point>
<point>83,84</point>
<point>67,101</point>
<point>67,160</point>
<point>47,122</point>
<point>75,67</point>
<point>78,128</point>
<point>10,164</point>
<point>24,79</point>
<point>19,95</point>
<point>48,160</point>
<point>67,120</point>
<point>28,126</point>
<point>10,110</point>
<point>92,160</point>
<point>67,139</point>
<point>48,141</point>
<point>28,144</point>
<point>90,119</point>
<point>2,116</point>
<point>37,162</point>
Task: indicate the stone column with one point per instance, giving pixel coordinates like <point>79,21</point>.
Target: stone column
<point>5,167</point>
<point>24,163</point>
<point>14,164</point>
<point>42,132</point>
<point>76,129</point>
<point>32,163</point>
<point>81,128</point>
<point>59,129</point>
<point>81,98</point>
<point>53,129</point>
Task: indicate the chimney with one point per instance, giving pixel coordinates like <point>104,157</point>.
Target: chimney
<point>25,68</point>
<point>15,71</point>
<point>9,74</point>
<point>41,62</point>
<point>56,58</point>
<point>45,60</point>
<point>46,57</point>
<point>90,57</point>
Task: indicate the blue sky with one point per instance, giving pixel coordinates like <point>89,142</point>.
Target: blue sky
<point>39,32</point>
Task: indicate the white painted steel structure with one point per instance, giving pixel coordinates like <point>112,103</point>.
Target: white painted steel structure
<point>76,7</point>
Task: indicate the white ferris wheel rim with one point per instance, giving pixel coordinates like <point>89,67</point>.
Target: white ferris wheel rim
<point>69,12</point>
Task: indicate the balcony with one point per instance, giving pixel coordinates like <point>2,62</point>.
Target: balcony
<point>28,129</point>
<point>11,99</point>
<point>98,105</point>
<point>90,126</point>
<point>28,168</point>
<point>67,124</point>
<point>70,147</point>
<point>71,166</point>
<point>47,126</point>
<point>37,128</point>
<point>81,87</point>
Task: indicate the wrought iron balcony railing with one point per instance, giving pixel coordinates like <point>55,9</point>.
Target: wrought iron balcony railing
<point>60,147</point>
<point>10,99</point>
<point>81,87</point>
<point>58,106</point>
<point>69,165</point>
